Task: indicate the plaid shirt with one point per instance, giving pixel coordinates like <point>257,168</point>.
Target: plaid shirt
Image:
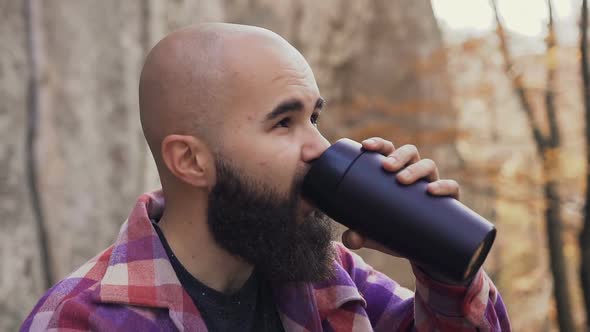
<point>132,286</point>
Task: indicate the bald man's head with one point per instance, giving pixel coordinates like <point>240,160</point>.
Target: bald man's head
<point>210,88</point>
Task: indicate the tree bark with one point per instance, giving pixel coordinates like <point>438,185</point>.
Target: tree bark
<point>91,142</point>
<point>21,274</point>
<point>32,166</point>
<point>584,238</point>
<point>556,256</point>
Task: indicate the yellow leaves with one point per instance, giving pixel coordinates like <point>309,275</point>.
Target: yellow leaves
<point>573,168</point>
<point>433,63</point>
<point>472,45</point>
<point>570,250</point>
<point>551,58</point>
<point>551,155</point>
<point>482,90</point>
<point>530,281</point>
<point>362,104</point>
<point>551,165</point>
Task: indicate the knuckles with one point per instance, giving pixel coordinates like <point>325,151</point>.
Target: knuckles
<point>428,163</point>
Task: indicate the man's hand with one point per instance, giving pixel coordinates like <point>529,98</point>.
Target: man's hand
<point>414,168</point>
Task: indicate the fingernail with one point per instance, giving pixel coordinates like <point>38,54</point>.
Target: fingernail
<point>392,160</point>
<point>345,241</point>
<point>434,186</point>
<point>369,141</point>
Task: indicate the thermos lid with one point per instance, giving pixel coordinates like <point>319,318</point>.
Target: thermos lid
<point>327,171</point>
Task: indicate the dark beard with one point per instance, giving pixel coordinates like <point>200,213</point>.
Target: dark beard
<point>261,226</point>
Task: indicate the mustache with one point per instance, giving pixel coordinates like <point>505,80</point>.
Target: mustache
<point>297,185</point>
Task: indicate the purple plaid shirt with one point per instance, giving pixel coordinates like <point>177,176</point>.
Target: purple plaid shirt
<point>132,286</point>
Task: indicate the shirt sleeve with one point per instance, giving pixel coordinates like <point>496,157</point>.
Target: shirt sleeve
<point>475,307</point>
<point>433,307</point>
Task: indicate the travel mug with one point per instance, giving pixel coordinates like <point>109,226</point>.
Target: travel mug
<point>440,234</point>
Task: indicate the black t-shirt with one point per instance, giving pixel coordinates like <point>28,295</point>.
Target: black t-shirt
<point>249,309</point>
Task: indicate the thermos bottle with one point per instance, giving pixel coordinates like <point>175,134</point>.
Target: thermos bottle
<point>440,234</point>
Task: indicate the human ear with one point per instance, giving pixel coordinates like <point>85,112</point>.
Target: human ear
<point>188,159</point>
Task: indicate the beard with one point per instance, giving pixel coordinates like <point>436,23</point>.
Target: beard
<point>264,228</point>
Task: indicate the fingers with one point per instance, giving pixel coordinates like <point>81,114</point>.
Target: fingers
<point>379,144</point>
<point>406,160</point>
<point>354,240</point>
<point>407,154</point>
<point>424,168</point>
<point>444,188</point>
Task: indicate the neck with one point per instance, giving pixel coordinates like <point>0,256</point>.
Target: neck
<point>186,230</point>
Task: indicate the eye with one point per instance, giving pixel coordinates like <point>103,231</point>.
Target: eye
<point>285,123</point>
<point>315,117</point>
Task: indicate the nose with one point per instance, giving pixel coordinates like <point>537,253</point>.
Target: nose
<point>314,147</point>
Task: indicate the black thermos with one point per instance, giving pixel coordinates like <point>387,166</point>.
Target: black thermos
<point>349,184</point>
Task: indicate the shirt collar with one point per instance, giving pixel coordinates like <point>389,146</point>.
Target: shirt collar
<point>308,304</point>
<point>139,273</point>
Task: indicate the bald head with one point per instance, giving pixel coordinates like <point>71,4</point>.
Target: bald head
<point>211,92</point>
<point>190,77</point>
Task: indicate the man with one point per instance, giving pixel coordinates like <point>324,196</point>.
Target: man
<point>230,114</point>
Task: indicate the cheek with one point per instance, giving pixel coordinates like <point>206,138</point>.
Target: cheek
<point>278,159</point>
<point>271,160</point>
<point>275,167</point>
<point>278,171</point>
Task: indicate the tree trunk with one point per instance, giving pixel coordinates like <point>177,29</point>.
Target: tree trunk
<point>92,145</point>
<point>551,150</point>
<point>21,273</point>
<point>585,233</point>
<point>32,165</point>
<point>556,257</point>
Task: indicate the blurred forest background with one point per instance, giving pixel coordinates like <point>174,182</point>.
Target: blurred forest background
<point>502,110</point>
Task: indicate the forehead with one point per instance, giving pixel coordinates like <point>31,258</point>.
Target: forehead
<point>265,72</point>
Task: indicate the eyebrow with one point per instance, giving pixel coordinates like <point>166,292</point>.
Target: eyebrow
<point>292,105</point>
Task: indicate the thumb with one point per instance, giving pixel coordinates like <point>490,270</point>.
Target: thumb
<point>352,240</point>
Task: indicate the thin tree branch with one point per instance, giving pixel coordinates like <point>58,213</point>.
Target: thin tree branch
<point>31,138</point>
<point>146,42</point>
<point>554,135</point>
<point>517,81</point>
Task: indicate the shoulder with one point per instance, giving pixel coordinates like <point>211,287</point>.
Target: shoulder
<point>78,302</point>
<point>347,259</point>
<point>74,293</point>
<point>81,313</point>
